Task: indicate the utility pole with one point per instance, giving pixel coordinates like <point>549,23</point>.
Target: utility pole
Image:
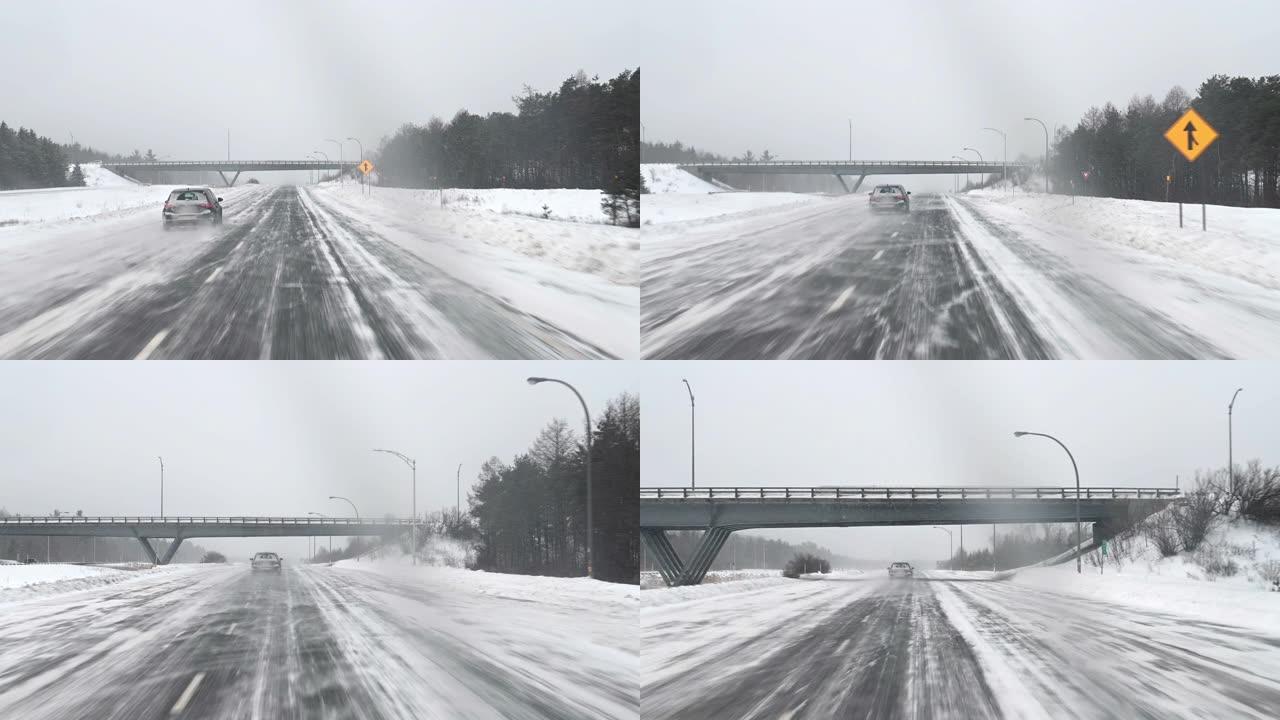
<point>457,506</point>
<point>161,485</point>
<point>228,144</point>
<point>851,140</point>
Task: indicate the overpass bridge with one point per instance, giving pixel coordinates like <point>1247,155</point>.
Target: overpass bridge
<point>222,167</point>
<point>146,528</point>
<point>859,168</point>
<point>719,511</point>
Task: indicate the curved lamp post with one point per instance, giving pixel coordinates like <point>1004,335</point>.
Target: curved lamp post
<point>951,545</point>
<point>1046,151</point>
<point>1076,469</point>
<point>339,144</point>
<point>1004,164</point>
<point>413,527</point>
<point>587,414</point>
<point>693,444</point>
<point>1231,468</point>
<point>969,149</point>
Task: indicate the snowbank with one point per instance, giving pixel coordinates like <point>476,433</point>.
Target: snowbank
<point>1181,584</point>
<point>1240,242</point>
<point>97,176</point>
<point>664,178</point>
<point>21,582</point>
<point>508,219</point>
<point>572,592</point>
<point>21,207</point>
<point>670,208</point>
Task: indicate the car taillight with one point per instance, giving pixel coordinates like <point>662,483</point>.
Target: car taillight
<point>168,206</point>
<point>206,206</point>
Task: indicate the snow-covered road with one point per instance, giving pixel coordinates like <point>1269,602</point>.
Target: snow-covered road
<point>293,273</point>
<point>956,278</point>
<point>934,648</point>
<point>314,642</point>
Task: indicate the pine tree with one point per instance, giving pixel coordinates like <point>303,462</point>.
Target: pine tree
<point>77,177</point>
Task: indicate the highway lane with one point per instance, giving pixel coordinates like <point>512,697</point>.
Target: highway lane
<point>312,642</point>
<point>876,648</point>
<point>286,277</point>
<point>834,280</point>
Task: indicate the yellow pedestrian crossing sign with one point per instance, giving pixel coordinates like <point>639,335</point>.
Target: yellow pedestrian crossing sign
<point>365,167</point>
<point>1191,135</point>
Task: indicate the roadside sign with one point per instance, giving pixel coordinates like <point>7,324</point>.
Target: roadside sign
<point>365,167</point>
<point>1191,135</point>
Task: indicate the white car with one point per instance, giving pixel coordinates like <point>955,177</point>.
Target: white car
<point>902,570</point>
<point>267,561</point>
<point>890,197</point>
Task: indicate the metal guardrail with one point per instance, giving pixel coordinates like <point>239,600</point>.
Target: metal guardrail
<point>903,493</point>
<point>200,520</point>
<point>171,163</point>
<point>860,163</point>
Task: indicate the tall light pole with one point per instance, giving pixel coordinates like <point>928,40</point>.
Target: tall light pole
<point>1231,468</point>
<point>161,485</point>
<point>1046,152</point>
<point>693,445</point>
<point>457,503</point>
<point>966,175</point>
<point>353,509</point>
<point>326,157</point>
<point>413,526</point>
<point>1074,468</point>
<point>850,140</point>
<point>1004,164</point>
<point>950,544</point>
<point>335,142</point>
<point>969,149</point>
<point>357,142</point>
<point>587,414</point>
<point>330,534</point>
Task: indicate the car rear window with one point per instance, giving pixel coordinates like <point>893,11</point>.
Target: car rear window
<point>887,189</point>
<point>196,195</point>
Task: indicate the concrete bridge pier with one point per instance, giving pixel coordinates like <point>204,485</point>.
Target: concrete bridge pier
<point>156,558</point>
<point>673,571</point>
<point>233,179</point>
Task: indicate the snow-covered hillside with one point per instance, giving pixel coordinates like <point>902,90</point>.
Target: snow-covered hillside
<point>677,196</point>
<point>663,178</point>
<point>104,193</point>
<point>97,176</point>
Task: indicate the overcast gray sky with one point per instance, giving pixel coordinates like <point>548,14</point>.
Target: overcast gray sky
<point>285,75</point>
<point>920,79</point>
<point>271,438</point>
<point>949,423</point>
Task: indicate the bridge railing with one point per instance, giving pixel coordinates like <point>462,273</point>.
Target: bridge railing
<point>903,493</point>
<point>282,163</point>
<point>995,165</point>
<point>197,519</point>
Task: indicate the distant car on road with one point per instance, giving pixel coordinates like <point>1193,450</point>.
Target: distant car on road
<point>901,570</point>
<point>192,205</point>
<point>890,197</point>
<point>267,561</point>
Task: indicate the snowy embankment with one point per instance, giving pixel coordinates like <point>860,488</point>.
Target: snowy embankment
<point>1226,580</point>
<point>570,592</point>
<point>1240,242</point>
<point>574,237</point>
<point>105,192</point>
<point>677,196</point>
<point>20,582</point>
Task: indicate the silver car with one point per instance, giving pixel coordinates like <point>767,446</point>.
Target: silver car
<point>890,197</point>
<point>267,561</point>
<point>902,570</point>
<point>192,205</point>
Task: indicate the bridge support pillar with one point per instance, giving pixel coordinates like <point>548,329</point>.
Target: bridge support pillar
<point>146,547</point>
<point>171,550</point>
<point>859,183</point>
<point>843,184</point>
<point>673,571</point>
<point>233,179</point>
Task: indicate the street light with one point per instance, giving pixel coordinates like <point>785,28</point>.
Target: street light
<point>693,445</point>
<point>1004,164</point>
<point>1046,152</point>
<point>330,535</point>
<point>587,414</point>
<point>1020,433</point>
<point>353,509</point>
<point>966,175</point>
<point>325,154</point>
<point>969,149</point>
<point>413,527</point>
<point>951,545</point>
<point>357,142</point>
<point>161,484</point>
<point>335,142</point>
<point>1231,468</point>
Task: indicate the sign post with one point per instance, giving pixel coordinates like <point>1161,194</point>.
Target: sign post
<point>1191,135</point>
<point>365,167</point>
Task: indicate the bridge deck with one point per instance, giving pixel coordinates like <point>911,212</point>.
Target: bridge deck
<point>200,526</point>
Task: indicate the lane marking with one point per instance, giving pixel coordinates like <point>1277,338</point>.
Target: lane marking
<point>213,274</point>
<point>895,234</point>
<point>185,698</point>
<point>151,346</point>
<point>839,303</point>
<point>232,629</point>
